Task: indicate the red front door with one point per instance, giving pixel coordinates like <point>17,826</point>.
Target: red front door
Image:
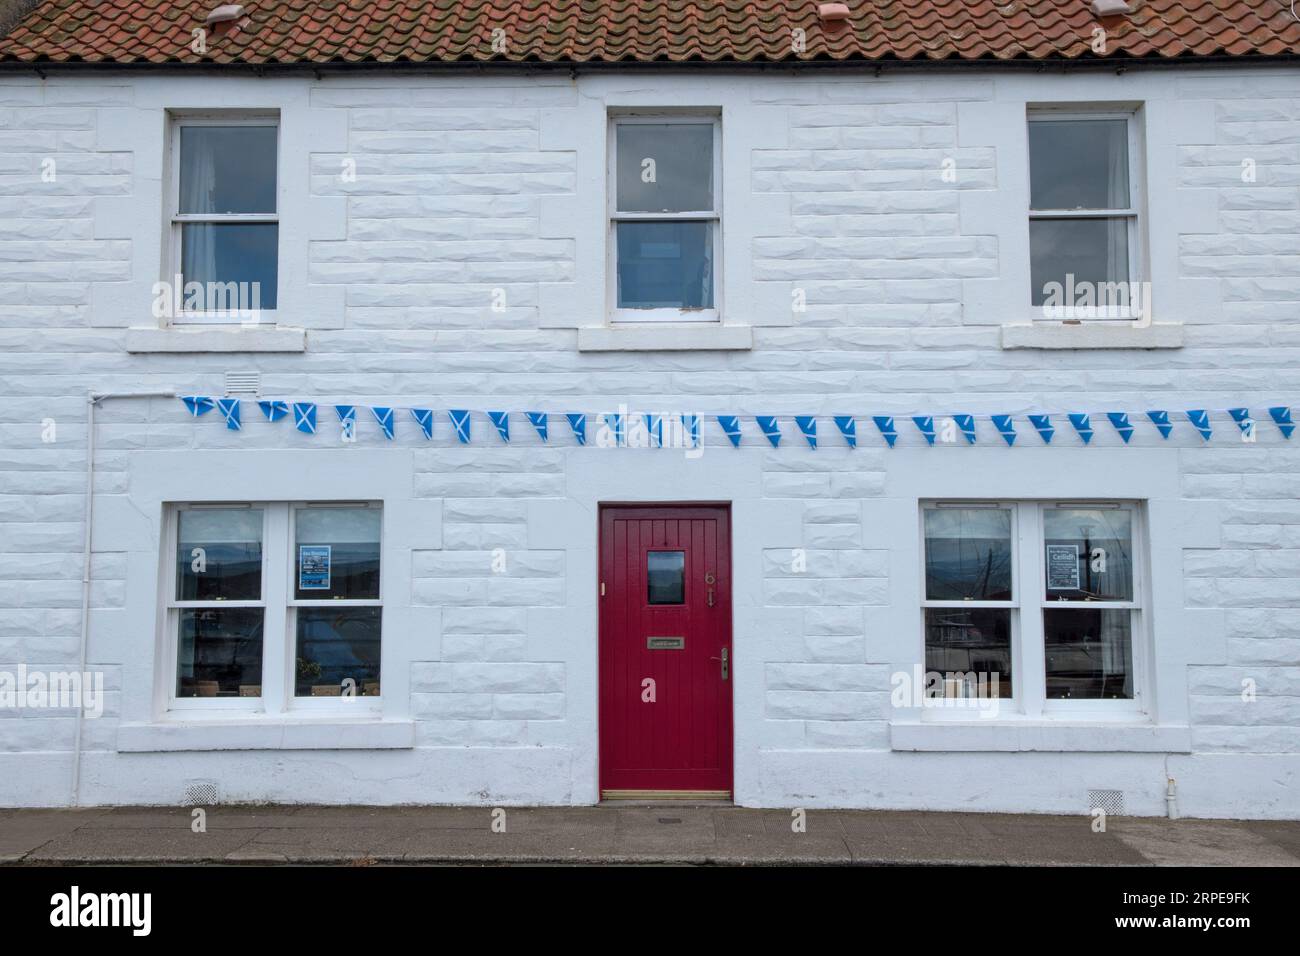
<point>665,649</point>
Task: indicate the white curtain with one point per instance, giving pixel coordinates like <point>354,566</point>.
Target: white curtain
<point>1117,198</point>
<point>198,183</point>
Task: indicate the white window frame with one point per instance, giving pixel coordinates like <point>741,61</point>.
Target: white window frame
<point>614,217</point>
<point>1028,699</point>
<point>1131,214</point>
<point>176,219</point>
<point>279,622</point>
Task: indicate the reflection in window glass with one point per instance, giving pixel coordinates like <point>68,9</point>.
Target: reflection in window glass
<point>970,648</point>
<point>219,652</point>
<point>967,554</point>
<point>1089,653</point>
<point>1072,252</point>
<point>665,265</point>
<point>1078,164</point>
<point>665,167</point>
<point>1088,554</point>
<point>337,651</point>
<point>237,263</point>
<point>219,555</point>
<point>666,577</point>
<point>227,169</point>
<point>337,553</point>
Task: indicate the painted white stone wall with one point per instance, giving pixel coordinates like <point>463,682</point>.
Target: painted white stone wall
<point>468,185</point>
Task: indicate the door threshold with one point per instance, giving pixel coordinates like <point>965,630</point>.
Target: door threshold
<point>667,796</point>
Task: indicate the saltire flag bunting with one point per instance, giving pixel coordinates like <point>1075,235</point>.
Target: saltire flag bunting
<point>1282,418</point>
<point>460,423</point>
<point>615,421</point>
<point>1082,424</point>
<point>502,421</point>
<point>654,425</point>
<point>230,408</point>
<point>1005,424</point>
<point>424,418</point>
<point>348,417</point>
<point>967,425</point>
<point>1043,425</point>
<point>691,426</point>
<point>1200,420</point>
<point>808,425</point>
<point>925,424</point>
<point>1162,422</point>
<point>538,421</point>
<point>198,404</point>
<point>1122,424</point>
<point>885,423</point>
<point>385,418</point>
<point>304,417</point>
<point>731,428</point>
<point>770,427</point>
<point>578,422</point>
<point>848,427</point>
<point>1242,417</point>
<point>274,411</point>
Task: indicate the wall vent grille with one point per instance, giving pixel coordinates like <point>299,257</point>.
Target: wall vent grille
<point>243,383</point>
<point>201,793</point>
<point>1111,801</point>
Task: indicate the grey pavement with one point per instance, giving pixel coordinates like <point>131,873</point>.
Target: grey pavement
<point>620,833</point>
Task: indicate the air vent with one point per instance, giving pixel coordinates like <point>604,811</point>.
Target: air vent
<point>243,383</point>
<point>1111,801</point>
<point>1111,8</point>
<point>201,793</point>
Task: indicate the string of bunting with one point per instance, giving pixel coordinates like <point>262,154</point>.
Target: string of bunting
<point>306,418</point>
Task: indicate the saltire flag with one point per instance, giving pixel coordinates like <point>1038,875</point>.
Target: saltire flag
<point>502,421</point>
<point>385,418</point>
<point>691,427</point>
<point>1200,420</point>
<point>1242,417</point>
<point>304,417</point>
<point>348,417</point>
<point>230,408</point>
<point>460,423</point>
<point>1162,422</point>
<point>967,425</point>
<point>885,423</point>
<point>654,424</point>
<point>848,428</point>
<point>539,421</point>
<point>1043,425</point>
<point>808,425</point>
<point>731,428</point>
<point>1082,424</point>
<point>198,404</point>
<point>769,426</point>
<point>615,421</point>
<point>1122,424</point>
<point>578,422</point>
<point>274,411</point>
<point>925,424</point>
<point>1006,427</point>
<point>424,418</point>
<point>1281,416</point>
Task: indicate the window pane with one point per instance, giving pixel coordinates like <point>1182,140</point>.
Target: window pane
<point>666,577</point>
<point>335,645</point>
<point>970,648</point>
<point>665,265</point>
<point>967,554</point>
<point>1089,654</point>
<point>665,167</point>
<point>1078,164</point>
<point>219,652</point>
<point>237,264</point>
<point>1088,554</point>
<point>337,553</point>
<point>227,169</point>
<point>1084,258</point>
<point>219,555</point>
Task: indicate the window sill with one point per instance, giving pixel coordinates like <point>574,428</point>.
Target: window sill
<point>258,733</point>
<point>666,337</point>
<point>1092,335</point>
<point>235,338</point>
<point>1077,736</point>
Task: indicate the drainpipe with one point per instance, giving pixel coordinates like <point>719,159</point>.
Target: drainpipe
<point>1171,799</point>
<point>92,399</point>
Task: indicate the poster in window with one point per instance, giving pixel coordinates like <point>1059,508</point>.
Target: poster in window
<point>314,567</point>
<point>1062,567</point>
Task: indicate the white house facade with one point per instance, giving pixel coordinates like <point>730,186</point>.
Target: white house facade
<point>287,604</point>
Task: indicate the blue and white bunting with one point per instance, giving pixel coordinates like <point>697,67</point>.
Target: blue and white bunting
<point>848,427</point>
<point>1200,420</point>
<point>348,420</point>
<point>730,425</point>
<point>615,422</point>
<point>1082,424</point>
<point>691,427</point>
<point>424,418</point>
<point>384,416</point>
<point>230,410</point>
<point>1161,420</point>
<point>274,411</point>
<point>198,404</point>
<point>578,424</point>
<point>1242,417</point>
<point>460,424</point>
<point>966,425</point>
<point>1043,425</point>
<point>885,425</point>
<point>539,421</point>
<point>925,425</point>
<point>770,427</point>
<point>654,426</point>
<point>1281,416</point>
<point>808,425</point>
<point>1006,426</point>
<point>502,421</point>
<point>304,417</point>
<point>1122,425</point>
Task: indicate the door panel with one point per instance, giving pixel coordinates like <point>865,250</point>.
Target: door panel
<point>665,616</point>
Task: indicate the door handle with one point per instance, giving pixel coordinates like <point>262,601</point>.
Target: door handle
<point>710,580</point>
<point>725,668</point>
